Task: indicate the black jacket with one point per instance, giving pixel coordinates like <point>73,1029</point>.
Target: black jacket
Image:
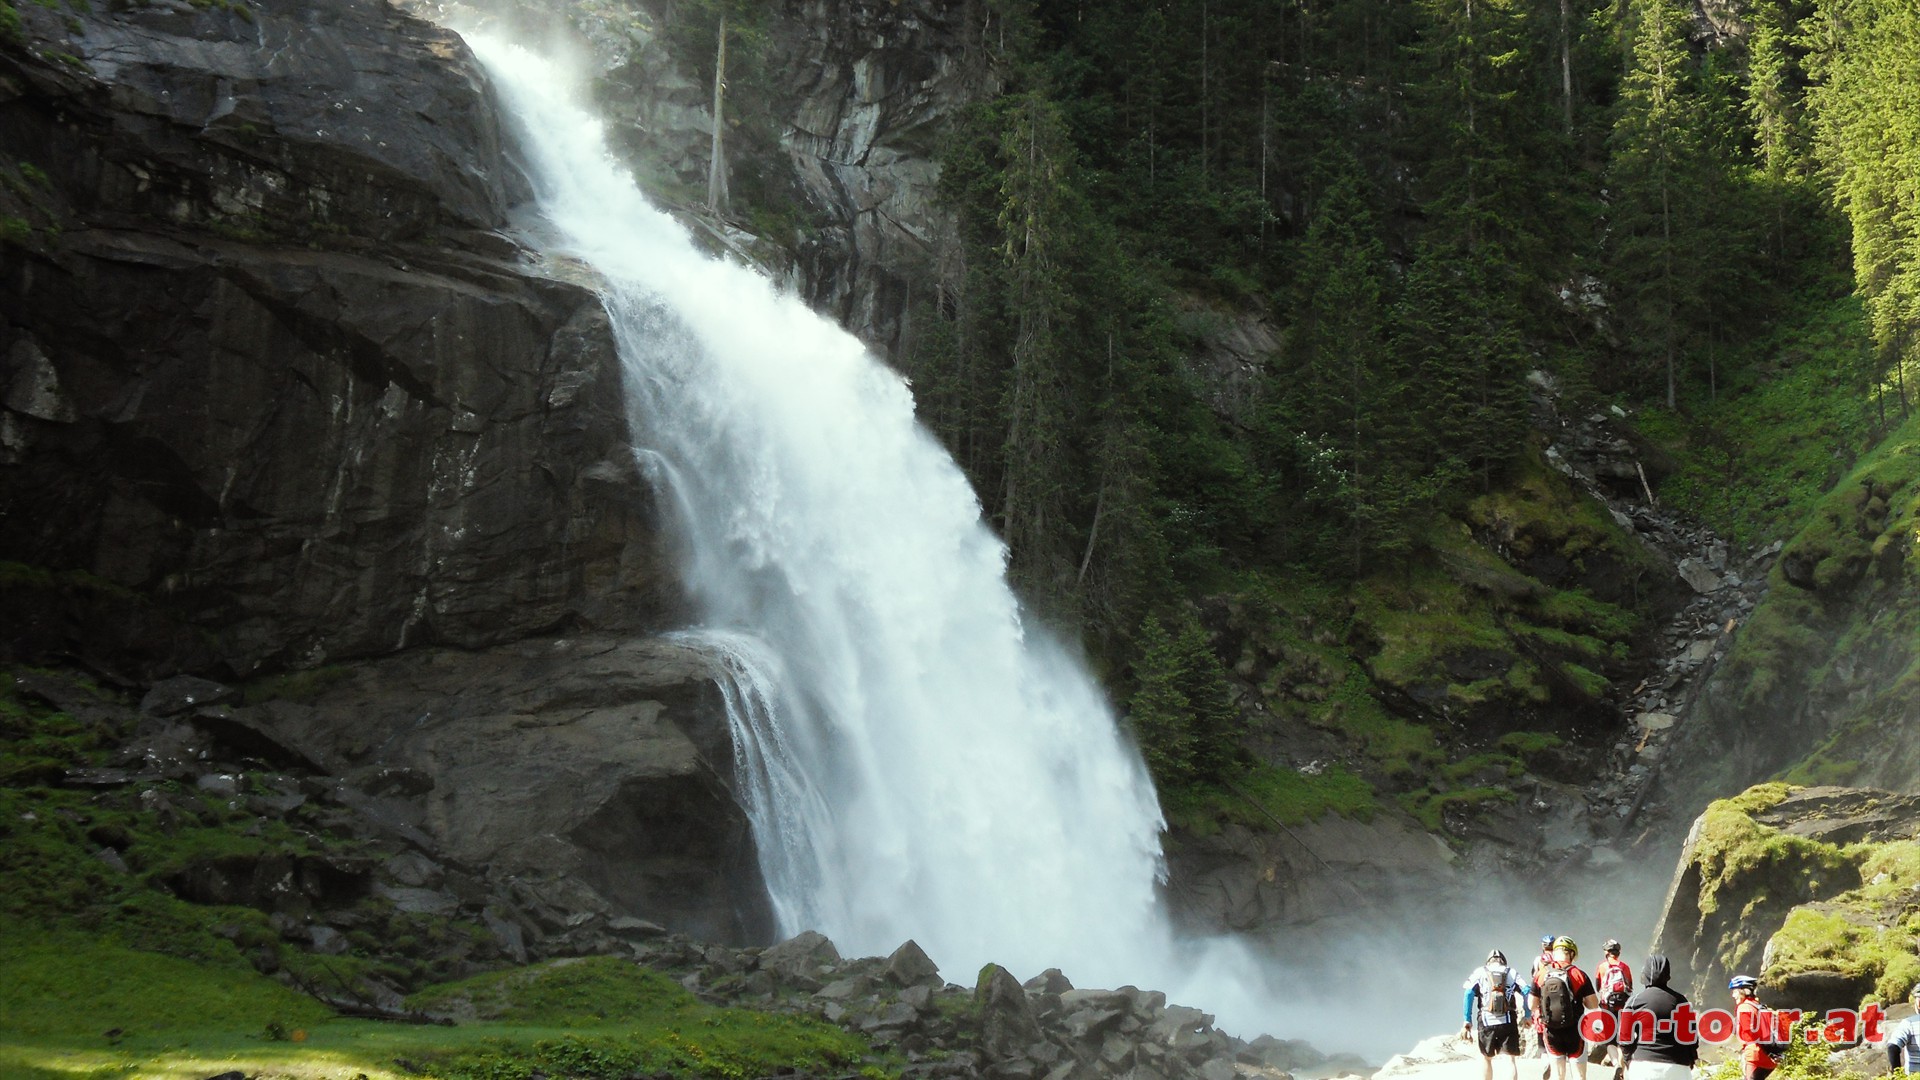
<point>1660,1000</point>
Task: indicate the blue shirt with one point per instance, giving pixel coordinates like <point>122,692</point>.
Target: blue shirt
<point>1519,988</point>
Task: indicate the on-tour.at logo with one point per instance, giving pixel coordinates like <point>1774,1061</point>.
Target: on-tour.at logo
<point>1690,1025</point>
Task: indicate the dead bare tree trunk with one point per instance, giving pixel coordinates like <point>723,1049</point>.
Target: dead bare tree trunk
<point>717,162</point>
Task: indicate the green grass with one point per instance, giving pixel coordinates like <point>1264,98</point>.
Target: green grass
<point>1858,596</point>
<point>109,975</point>
<point>1267,795</point>
<point>1754,460</point>
<point>73,1008</point>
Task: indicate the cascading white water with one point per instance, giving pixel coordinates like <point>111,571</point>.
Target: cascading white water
<point>917,761</point>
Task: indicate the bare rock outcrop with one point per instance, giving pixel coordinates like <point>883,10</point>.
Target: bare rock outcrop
<point>276,391</point>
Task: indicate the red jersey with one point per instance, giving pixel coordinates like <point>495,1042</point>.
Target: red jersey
<point>1750,1017</point>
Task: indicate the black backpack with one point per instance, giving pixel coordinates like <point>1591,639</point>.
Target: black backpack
<point>1558,1010</point>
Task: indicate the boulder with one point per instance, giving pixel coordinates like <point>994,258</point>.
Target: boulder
<point>595,769</point>
<point>909,965</point>
<point>171,697</point>
<point>1006,1018</point>
<point>1804,888</point>
<point>801,958</point>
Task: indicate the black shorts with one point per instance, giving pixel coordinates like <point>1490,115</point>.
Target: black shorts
<point>1565,1043</point>
<point>1500,1039</point>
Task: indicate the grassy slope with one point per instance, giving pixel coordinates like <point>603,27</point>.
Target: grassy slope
<point>76,1008</point>
<point>1793,451</point>
<point>109,975</point>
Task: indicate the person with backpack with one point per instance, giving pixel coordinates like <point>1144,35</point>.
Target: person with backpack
<point>1533,978</point>
<point>1614,985</point>
<point>1760,1055</point>
<point>1496,1002</point>
<point>1903,1039</point>
<point>1563,994</point>
<point>1664,1055</point>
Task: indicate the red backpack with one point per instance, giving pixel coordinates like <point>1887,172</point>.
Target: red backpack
<point>1616,984</point>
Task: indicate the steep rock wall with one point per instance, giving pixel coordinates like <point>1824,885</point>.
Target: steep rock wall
<point>836,112</point>
<point>276,391</point>
<point>1820,686</point>
<point>1811,890</point>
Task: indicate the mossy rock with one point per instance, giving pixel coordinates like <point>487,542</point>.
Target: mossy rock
<point>1815,890</point>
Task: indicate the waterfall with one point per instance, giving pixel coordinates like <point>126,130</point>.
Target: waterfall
<point>918,760</point>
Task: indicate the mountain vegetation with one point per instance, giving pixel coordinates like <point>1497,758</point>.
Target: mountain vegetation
<point>1429,204</point>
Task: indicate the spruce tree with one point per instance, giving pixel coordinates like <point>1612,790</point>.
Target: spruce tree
<point>1159,711</point>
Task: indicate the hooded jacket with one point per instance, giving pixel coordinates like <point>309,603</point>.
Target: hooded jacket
<point>1656,997</point>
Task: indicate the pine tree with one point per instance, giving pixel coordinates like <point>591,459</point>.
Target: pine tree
<point>1653,179</point>
<point>1866,108</point>
<point>1035,230</point>
<point>1159,712</point>
<point>1340,384</point>
<point>1216,724</point>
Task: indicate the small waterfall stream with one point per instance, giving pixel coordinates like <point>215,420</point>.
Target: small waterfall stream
<point>918,761</point>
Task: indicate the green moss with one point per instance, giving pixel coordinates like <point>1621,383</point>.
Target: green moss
<point>1430,807</point>
<point>1268,795</point>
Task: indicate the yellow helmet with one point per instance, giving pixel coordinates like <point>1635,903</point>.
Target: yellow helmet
<point>1564,942</point>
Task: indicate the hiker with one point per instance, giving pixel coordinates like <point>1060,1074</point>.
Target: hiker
<point>1562,993</point>
<point>1613,983</point>
<point>1903,1039</point>
<point>1749,1016</point>
<point>1659,1054</point>
<point>1539,1048</point>
<point>1496,1002</point>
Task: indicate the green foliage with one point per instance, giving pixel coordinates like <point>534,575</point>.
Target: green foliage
<point>1182,713</point>
<point>1864,61</point>
<point>65,983</point>
<point>1264,796</point>
<point>1854,543</point>
<point>561,993</point>
<point>1754,459</point>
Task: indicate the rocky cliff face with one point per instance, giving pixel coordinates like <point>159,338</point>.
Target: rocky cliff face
<point>1819,686</point>
<point>836,110</point>
<point>276,391</point>
<point>1811,890</point>
<point>281,393</point>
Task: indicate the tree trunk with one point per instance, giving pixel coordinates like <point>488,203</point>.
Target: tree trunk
<point>1566,62</point>
<point>716,161</point>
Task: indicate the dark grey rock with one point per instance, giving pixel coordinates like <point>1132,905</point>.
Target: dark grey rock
<point>844,989</point>
<point>222,398</point>
<point>1050,981</point>
<point>418,901</point>
<point>170,697</point>
<point>1007,1022</point>
<point>909,965</point>
<point>327,941</point>
<point>800,958</point>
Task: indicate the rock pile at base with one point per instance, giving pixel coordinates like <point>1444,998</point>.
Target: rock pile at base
<point>1000,1027</point>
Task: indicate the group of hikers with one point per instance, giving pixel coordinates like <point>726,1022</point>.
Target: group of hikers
<point>1500,1005</point>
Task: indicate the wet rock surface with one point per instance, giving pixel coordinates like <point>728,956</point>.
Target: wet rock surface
<point>270,366</point>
